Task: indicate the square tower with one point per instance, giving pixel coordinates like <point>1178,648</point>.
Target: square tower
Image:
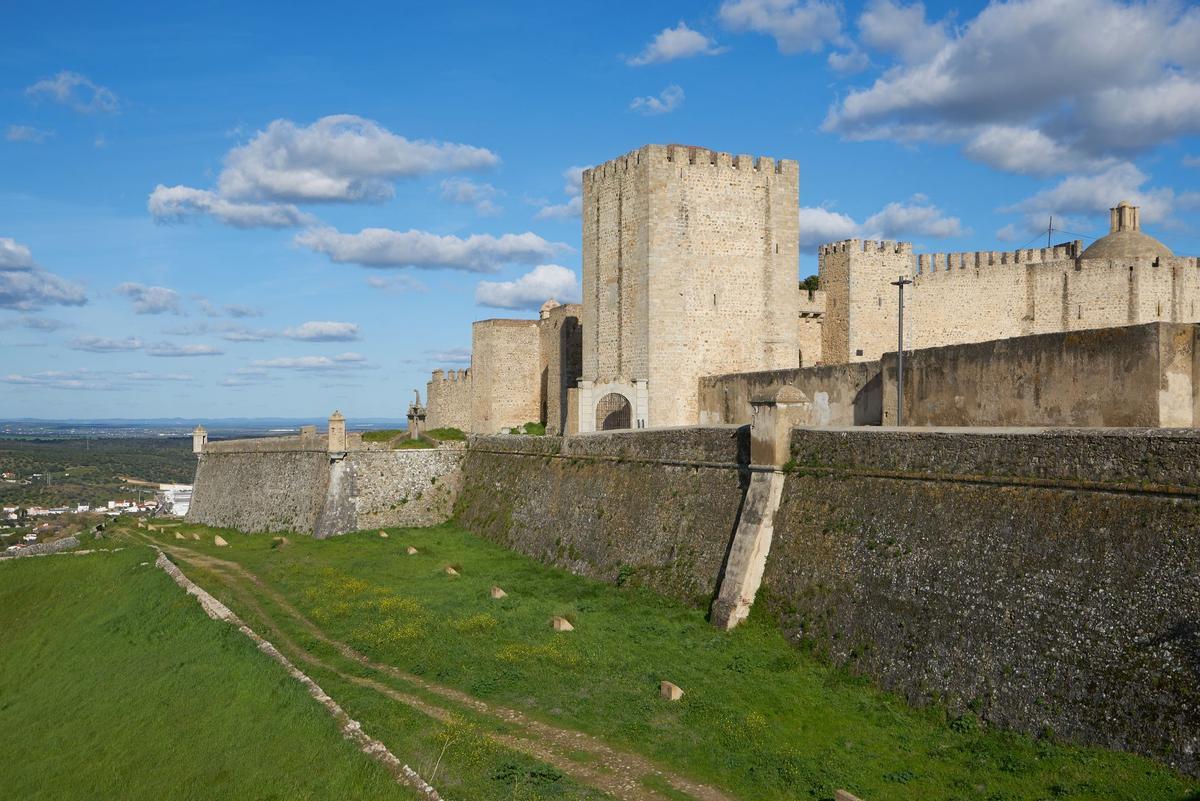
<point>690,268</point>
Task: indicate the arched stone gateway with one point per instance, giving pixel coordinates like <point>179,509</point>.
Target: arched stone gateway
<point>613,411</point>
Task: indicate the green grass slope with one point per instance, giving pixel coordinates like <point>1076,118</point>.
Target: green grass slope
<point>758,718</point>
<point>114,684</point>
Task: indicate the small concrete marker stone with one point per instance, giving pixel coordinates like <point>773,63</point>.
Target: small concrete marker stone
<point>196,536</point>
<point>219,541</point>
<point>178,536</point>
<point>411,551</point>
<point>561,624</point>
<point>498,593</point>
<point>669,691</point>
<point>842,795</point>
<point>383,534</point>
<point>451,571</point>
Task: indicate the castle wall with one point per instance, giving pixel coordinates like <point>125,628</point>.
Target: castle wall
<point>561,347</point>
<point>448,400</point>
<point>1042,579</point>
<point>974,297</point>
<point>689,263</point>
<point>254,485</point>
<point>403,487</point>
<point>841,394</point>
<point>1140,375</point>
<point>257,485</point>
<point>598,504</point>
<point>809,324</point>
<point>505,379</point>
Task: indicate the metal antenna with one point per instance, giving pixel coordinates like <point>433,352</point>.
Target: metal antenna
<point>901,283</point>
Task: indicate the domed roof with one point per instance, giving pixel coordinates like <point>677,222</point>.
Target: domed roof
<point>1125,239</point>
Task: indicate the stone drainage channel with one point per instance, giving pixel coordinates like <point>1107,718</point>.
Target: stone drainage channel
<point>611,770</point>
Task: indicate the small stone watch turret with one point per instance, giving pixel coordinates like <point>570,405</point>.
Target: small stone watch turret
<point>337,432</point>
<point>199,440</point>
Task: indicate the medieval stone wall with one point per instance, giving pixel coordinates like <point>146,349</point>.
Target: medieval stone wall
<point>1043,580</point>
<point>258,485</point>
<point>655,507</point>
<point>841,394</point>
<point>1141,375</point>
<point>973,297</point>
<point>505,379</point>
<point>251,486</point>
<point>448,400</point>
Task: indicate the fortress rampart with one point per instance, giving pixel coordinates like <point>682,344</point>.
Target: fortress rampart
<point>1069,607</point>
<point>299,484</point>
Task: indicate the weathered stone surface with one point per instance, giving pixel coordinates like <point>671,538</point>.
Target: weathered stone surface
<point>219,541</point>
<point>498,593</point>
<point>301,489</point>
<point>195,536</point>
<point>843,795</point>
<point>383,534</point>
<point>1046,578</point>
<point>178,536</point>
<point>1136,375</point>
<point>655,508</point>
<point>669,691</point>
<point>561,624</point>
<point>411,551</point>
<point>451,571</point>
<point>40,548</point>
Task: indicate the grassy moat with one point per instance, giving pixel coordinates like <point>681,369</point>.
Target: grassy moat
<point>121,682</point>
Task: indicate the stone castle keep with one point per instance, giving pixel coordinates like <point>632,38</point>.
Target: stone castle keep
<point>690,261</point>
<point>1025,548</point>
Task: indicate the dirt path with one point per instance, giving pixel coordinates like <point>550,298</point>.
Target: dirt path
<point>612,770</point>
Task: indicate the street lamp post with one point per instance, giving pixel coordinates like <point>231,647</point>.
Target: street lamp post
<point>900,283</point>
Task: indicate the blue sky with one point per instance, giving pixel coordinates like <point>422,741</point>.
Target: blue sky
<point>213,210</point>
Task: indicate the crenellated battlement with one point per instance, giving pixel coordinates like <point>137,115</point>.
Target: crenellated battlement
<point>928,263</point>
<point>451,376</point>
<point>865,246</point>
<point>693,156</point>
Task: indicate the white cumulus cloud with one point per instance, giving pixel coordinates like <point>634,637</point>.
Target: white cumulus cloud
<point>173,203</point>
<point>25,286</point>
<point>573,188</point>
<point>1082,202</point>
<point>466,192</point>
<point>337,158</point>
<point>383,247</point>
<point>323,331</point>
<point>531,290</point>
<point>1009,88</point>
<point>150,299</point>
<point>674,43</point>
<point>77,91</point>
<point>916,217</point>
<point>667,101</point>
<point>797,26</point>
